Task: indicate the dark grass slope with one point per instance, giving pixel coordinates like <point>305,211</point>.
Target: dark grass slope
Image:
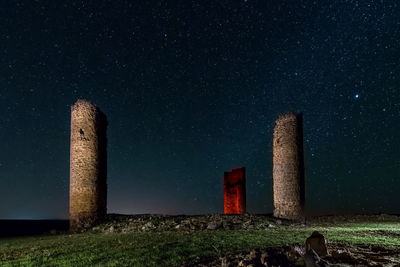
<point>9,228</point>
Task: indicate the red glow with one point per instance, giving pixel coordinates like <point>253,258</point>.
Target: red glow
<point>235,191</point>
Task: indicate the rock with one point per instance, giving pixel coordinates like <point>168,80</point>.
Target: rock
<point>263,258</point>
<point>111,229</point>
<point>249,224</point>
<point>293,253</point>
<point>253,254</point>
<point>271,226</point>
<point>227,225</point>
<point>214,225</point>
<point>254,258</point>
<point>147,226</point>
<point>311,259</point>
<point>224,262</point>
<point>317,243</point>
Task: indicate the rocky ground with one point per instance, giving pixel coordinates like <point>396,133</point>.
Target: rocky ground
<point>340,255</point>
<point>116,223</point>
<point>144,223</point>
<point>289,255</point>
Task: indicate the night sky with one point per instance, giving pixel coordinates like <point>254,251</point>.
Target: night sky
<point>192,89</point>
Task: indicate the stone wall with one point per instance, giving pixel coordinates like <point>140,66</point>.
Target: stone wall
<point>235,191</point>
<point>288,167</point>
<point>88,165</point>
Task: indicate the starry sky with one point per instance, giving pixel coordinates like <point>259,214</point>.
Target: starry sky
<point>192,89</point>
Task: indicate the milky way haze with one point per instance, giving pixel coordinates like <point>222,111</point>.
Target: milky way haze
<point>192,89</point>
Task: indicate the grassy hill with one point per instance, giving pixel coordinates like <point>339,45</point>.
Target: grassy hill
<point>151,240</point>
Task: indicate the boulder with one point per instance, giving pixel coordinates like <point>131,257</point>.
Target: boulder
<point>317,242</point>
<point>213,225</point>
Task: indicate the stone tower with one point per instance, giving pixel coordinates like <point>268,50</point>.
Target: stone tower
<point>288,167</point>
<point>88,165</point>
<point>235,191</point>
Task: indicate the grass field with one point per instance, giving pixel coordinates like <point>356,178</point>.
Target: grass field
<point>174,248</point>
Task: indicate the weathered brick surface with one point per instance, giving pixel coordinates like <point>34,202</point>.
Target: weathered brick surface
<point>235,191</point>
<point>88,165</point>
<point>288,167</point>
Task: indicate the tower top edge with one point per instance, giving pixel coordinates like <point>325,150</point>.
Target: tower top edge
<point>86,104</point>
<point>289,116</point>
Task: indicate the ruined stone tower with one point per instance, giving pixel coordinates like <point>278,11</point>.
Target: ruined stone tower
<point>88,165</point>
<point>288,167</point>
<point>235,191</point>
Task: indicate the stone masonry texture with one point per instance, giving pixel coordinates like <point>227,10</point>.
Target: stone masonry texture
<point>88,165</point>
<point>288,167</point>
<point>235,191</point>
